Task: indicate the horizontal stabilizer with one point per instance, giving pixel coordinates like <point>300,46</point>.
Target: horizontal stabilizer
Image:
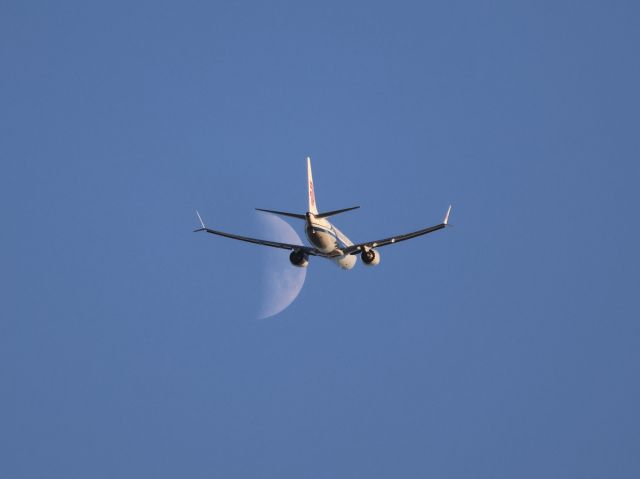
<point>335,212</point>
<point>283,213</point>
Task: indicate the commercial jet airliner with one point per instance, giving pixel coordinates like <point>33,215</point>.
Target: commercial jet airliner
<point>327,241</point>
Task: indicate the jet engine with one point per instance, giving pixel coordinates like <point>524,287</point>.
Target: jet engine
<point>299,258</point>
<point>370,257</point>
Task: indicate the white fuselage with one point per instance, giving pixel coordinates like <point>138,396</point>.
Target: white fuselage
<point>329,239</point>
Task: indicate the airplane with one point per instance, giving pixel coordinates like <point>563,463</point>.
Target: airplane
<point>327,241</point>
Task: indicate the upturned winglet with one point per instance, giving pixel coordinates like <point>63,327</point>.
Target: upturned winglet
<point>446,217</point>
<point>201,223</point>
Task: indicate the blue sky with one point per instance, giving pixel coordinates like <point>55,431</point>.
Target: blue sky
<point>507,346</point>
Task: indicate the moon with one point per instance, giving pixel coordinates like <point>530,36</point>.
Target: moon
<point>281,282</point>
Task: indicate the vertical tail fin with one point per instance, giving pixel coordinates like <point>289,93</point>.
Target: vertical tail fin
<point>312,196</point>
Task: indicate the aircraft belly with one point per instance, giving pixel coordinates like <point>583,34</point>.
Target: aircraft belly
<point>323,241</point>
<point>345,262</point>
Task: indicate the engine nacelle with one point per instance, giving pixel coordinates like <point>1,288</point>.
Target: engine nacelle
<point>370,257</point>
<point>299,258</point>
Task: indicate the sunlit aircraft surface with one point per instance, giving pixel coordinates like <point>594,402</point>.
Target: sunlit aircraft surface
<point>328,241</point>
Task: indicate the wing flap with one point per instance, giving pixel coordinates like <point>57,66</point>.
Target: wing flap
<point>356,248</point>
<point>273,244</point>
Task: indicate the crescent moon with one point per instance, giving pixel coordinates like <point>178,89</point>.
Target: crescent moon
<point>282,282</point>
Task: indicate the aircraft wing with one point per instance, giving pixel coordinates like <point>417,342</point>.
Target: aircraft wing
<point>356,248</point>
<point>273,244</point>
